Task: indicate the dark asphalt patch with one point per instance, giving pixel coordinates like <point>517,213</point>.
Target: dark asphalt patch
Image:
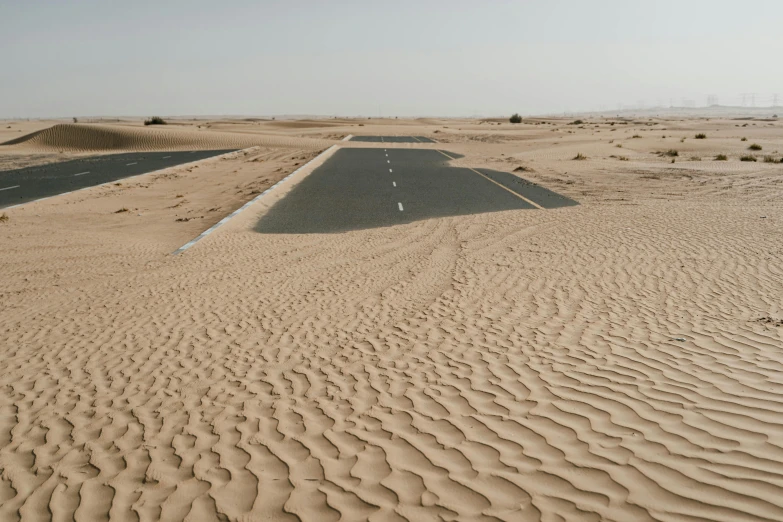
<point>354,190</point>
<point>393,139</point>
<point>57,178</point>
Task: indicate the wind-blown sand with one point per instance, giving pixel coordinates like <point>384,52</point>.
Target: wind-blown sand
<point>619,360</point>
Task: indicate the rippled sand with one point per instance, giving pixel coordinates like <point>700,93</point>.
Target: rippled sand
<point>619,360</point>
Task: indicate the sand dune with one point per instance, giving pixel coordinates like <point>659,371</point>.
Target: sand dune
<point>90,137</point>
<point>619,360</point>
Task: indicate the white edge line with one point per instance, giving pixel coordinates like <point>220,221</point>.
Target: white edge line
<point>348,138</point>
<point>243,207</point>
<point>227,154</point>
<point>9,188</point>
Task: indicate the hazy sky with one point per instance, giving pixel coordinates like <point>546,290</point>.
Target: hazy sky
<point>451,58</point>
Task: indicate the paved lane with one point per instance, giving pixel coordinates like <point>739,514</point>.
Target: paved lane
<point>393,139</point>
<point>367,188</point>
<point>28,184</point>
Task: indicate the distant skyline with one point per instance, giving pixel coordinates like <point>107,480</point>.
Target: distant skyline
<point>351,58</point>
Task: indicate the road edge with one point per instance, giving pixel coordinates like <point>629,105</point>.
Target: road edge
<point>249,203</point>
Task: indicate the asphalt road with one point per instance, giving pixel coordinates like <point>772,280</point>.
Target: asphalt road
<point>28,184</point>
<point>393,139</point>
<point>368,188</point>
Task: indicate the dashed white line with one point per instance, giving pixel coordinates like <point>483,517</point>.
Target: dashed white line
<point>394,183</point>
<point>166,157</point>
<point>390,170</point>
<point>400,205</point>
<point>388,161</point>
<point>129,164</point>
<point>9,188</point>
<point>81,174</point>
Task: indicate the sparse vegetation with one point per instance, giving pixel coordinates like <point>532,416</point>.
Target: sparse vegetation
<point>701,136</point>
<point>4,218</point>
<point>721,157</point>
<point>515,118</point>
<point>744,139</point>
<point>755,146</point>
<point>622,158</point>
<point>155,120</point>
<point>577,122</point>
<point>580,157</point>
<point>76,120</point>
<point>123,209</point>
<point>635,136</point>
<point>695,158</point>
<point>748,158</point>
<point>671,153</point>
<point>769,159</point>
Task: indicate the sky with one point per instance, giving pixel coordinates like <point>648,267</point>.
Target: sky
<point>371,58</point>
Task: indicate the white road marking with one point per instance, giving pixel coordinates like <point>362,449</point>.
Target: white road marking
<point>388,161</point>
<point>394,183</point>
<point>9,188</point>
<point>166,157</point>
<point>390,170</point>
<point>81,173</point>
<point>400,205</point>
<point>129,164</point>
<point>387,155</point>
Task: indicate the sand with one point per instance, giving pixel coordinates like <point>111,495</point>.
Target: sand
<point>619,360</point>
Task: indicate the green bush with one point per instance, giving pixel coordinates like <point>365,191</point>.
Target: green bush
<point>748,158</point>
<point>755,146</point>
<point>580,156</point>
<point>721,157</point>
<point>155,120</point>
<point>515,118</point>
<point>701,136</point>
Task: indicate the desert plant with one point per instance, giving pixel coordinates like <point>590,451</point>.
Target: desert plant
<point>748,158</point>
<point>580,156</point>
<point>744,139</point>
<point>721,157</point>
<point>123,209</point>
<point>515,118</point>
<point>577,122</point>
<point>755,146</point>
<point>4,217</point>
<point>671,152</point>
<point>76,120</point>
<point>695,158</point>
<point>155,120</point>
<point>623,158</point>
<point>701,136</point>
<point>769,159</point>
<point>636,136</point>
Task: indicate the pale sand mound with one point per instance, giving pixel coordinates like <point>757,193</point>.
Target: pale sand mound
<point>84,137</point>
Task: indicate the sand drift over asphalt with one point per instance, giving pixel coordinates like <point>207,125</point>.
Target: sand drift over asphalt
<point>617,360</point>
<point>88,137</point>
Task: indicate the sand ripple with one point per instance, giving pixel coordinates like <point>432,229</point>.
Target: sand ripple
<point>410,373</point>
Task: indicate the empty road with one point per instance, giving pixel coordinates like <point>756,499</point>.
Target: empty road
<point>29,184</point>
<point>368,188</point>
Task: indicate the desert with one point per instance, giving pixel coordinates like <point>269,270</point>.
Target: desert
<point>614,360</point>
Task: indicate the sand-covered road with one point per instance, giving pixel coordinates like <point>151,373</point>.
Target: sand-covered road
<point>615,360</point>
